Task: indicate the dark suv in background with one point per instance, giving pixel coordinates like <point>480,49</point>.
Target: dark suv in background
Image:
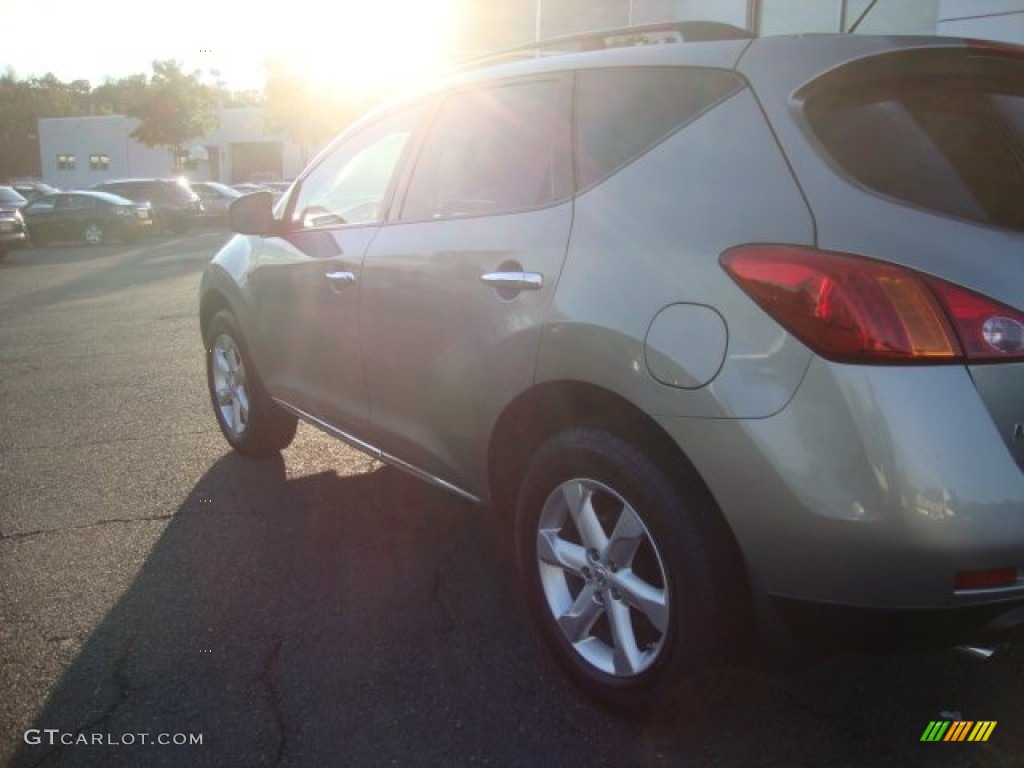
<point>175,207</point>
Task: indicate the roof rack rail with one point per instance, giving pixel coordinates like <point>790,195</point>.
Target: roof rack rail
<point>621,37</point>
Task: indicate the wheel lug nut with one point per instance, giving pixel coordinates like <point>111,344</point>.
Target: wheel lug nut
<point>592,555</point>
<point>616,595</point>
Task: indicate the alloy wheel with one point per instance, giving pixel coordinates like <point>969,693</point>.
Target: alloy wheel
<point>230,385</point>
<point>93,234</point>
<point>603,578</point>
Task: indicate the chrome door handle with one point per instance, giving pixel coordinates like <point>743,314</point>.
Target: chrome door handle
<point>517,281</point>
<point>341,278</point>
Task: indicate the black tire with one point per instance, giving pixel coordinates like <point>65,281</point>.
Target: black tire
<point>683,563</point>
<point>249,420</point>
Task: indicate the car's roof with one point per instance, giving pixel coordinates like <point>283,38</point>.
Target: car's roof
<point>97,194</point>
<point>141,181</point>
<point>212,184</point>
<point>805,55</point>
<point>779,64</point>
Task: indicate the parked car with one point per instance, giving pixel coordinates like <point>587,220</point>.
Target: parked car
<point>175,207</point>
<point>12,225</point>
<point>31,189</point>
<point>10,198</point>
<point>90,216</point>
<point>215,197</point>
<point>278,188</point>
<point>248,189</point>
<point>729,333</point>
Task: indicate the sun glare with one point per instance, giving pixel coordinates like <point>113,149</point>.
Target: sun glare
<point>370,46</point>
<point>362,45</point>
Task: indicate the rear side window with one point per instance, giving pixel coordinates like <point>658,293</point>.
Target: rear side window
<point>621,113</point>
<point>949,138</point>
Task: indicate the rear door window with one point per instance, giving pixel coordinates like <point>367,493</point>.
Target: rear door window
<point>948,137</point>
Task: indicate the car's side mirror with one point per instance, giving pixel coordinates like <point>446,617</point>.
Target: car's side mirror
<point>253,214</point>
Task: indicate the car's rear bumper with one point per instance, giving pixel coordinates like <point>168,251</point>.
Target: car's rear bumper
<point>823,626</point>
<point>875,487</point>
<point>9,240</point>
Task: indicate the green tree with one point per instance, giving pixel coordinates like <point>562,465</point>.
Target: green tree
<point>173,108</point>
<point>22,104</point>
<point>118,97</point>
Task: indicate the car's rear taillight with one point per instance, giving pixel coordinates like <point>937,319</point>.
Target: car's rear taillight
<point>853,309</point>
<point>992,579</point>
<point>988,331</point>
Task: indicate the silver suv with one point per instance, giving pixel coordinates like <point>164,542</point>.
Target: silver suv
<point>729,332</point>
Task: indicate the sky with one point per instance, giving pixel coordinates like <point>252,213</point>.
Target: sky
<point>360,44</point>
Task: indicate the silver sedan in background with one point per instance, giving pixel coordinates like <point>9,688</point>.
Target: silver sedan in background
<point>215,197</point>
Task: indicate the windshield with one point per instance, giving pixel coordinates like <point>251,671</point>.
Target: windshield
<point>9,197</point>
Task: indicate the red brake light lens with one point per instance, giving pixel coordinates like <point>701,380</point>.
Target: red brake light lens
<point>852,309</point>
<point>994,579</point>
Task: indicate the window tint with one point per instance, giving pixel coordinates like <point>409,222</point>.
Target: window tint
<point>76,201</point>
<point>950,142</point>
<point>621,113</point>
<point>43,205</point>
<point>492,150</point>
<point>9,196</point>
<point>350,185</point>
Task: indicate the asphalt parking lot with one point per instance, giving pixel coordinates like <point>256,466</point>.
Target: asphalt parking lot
<point>321,609</point>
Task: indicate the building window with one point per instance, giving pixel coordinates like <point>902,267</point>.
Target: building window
<point>99,162</point>
<point>66,162</point>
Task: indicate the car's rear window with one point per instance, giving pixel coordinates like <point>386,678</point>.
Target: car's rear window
<point>621,113</point>
<point>179,193</point>
<point>944,131</point>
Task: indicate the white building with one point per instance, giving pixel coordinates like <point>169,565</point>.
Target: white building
<point>83,151</point>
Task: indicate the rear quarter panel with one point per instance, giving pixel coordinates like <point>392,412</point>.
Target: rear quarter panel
<point>650,236</point>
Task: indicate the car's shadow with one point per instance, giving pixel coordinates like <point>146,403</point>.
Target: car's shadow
<point>111,268</point>
<point>365,619</point>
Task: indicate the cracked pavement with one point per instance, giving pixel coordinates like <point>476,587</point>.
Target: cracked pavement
<point>321,609</point>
